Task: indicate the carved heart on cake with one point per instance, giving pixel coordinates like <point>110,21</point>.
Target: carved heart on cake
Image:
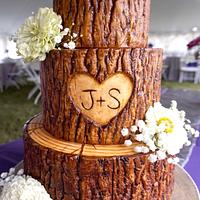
<point>100,102</point>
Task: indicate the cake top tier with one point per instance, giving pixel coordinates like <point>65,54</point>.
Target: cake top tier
<point>106,23</point>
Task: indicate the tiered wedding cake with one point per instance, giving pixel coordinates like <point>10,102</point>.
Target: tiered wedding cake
<point>75,147</point>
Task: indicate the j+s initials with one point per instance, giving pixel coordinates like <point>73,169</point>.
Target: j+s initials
<point>101,101</point>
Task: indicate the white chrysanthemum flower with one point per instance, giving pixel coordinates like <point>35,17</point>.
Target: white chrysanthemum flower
<point>24,188</point>
<point>165,131</point>
<point>124,132</point>
<point>170,135</point>
<point>128,142</point>
<point>39,34</point>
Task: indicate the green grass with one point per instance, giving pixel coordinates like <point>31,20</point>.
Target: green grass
<point>15,110</point>
<point>184,85</point>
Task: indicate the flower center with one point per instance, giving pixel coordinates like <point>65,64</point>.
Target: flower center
<point>169,125</point>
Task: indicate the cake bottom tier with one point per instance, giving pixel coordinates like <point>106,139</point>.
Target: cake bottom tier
<point>77,175</point>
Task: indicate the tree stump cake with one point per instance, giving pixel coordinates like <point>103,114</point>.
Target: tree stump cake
<point>89,94</point>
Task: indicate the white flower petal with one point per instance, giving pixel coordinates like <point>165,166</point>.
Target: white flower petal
<point>39,34</point>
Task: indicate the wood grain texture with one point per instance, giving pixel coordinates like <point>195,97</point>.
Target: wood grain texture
<point>41,136</point>
<point>109,23</point>
<point>76,177</point>
<point>64,121</point>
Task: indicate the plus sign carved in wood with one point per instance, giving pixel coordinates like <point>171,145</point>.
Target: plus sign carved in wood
<point>100,102</point>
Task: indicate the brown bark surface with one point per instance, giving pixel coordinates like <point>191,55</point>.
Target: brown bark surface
<point>109,23</point>
<point>76,177</point>
<point>64,121</point>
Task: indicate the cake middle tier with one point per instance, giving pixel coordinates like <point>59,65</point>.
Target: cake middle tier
<point>89,95</point>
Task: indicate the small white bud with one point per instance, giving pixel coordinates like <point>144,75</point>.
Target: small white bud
<point>71,45</point>
<point>192,131</point>
<point>4,175</point>
<point>11,171</point>
<point>141,125</point>
<point>170,160</point>
<point>196,135</point>
<point>124,132</point>
<point>65,45</point>
<point>161,155</point>
<point>139,137</point>
<point>60,26</point>
<point>66,30</point>
<point>176,160</point>
<point>138,149</point>
<point>187,127</point>
<point>153,158</point>
<point>20,172</point>
<point>188,143</point>
<point>128,142</point>
<point>173,104</point>
<point>75,35</point>
<point>58,39</point>
<point>7,179</point>
<point>145,150</point>
<point>134,128</point>
<point>1,183</point>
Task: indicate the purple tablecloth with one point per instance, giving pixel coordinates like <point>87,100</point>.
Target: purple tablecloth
<point>12,153</point>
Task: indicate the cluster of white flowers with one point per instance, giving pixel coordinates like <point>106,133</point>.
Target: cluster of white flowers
<point>163,133</point>
<point>21,187</point>
<point>40,34</point>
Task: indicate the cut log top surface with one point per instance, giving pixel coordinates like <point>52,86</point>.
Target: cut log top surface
<point>37,132</point>
<point>89,95</point>
<point>107,23</point>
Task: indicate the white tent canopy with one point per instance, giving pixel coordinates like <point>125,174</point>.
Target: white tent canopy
<point>169,18</point>
<point>166,15</point>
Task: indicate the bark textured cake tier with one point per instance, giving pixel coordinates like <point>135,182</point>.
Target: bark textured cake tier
<point>89,94</point>
<point>108,23</point>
